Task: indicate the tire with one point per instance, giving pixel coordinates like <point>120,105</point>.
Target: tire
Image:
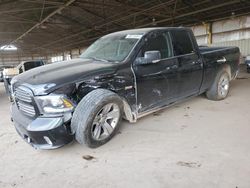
<point>220,88</point>
<point>89,118</point>
<point>248,70</point>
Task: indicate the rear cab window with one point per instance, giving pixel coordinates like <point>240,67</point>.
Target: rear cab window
<point>182,43</point>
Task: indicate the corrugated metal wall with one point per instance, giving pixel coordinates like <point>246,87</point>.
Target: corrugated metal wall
<point>232,29</point>
<point>14,59</point>
<point>244,45</point>
<point>231,32</point>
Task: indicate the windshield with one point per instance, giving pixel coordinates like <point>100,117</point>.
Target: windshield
<point>112,47</point>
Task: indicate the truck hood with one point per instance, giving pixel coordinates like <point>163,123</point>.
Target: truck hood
<point>45,79</point>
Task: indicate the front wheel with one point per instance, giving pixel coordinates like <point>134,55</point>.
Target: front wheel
<point>220,88</point>
<point>97,118</point>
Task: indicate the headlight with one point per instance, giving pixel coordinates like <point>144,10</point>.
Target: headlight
<point>54,104</point>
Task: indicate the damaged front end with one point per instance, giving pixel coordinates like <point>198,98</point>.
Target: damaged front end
<point>42,121</point>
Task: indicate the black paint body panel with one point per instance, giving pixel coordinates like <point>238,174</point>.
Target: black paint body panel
<point>144,87</point>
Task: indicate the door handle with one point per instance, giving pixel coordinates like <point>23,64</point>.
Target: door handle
<point>172,67</point>
<point>222,60</point>
<point>195,62</point>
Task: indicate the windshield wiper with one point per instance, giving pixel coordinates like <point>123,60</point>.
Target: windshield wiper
<point>99,59</point>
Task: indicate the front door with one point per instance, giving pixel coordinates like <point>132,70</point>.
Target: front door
<point>156,82</point>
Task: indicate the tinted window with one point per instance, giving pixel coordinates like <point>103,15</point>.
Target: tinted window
<point>32,64</point>
<point>181,42</point>
<point>160,42</point>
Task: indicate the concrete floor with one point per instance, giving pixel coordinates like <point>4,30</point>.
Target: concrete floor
<point>199,143</point>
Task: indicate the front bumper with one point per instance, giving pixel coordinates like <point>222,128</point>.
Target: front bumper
<point>43,132</point>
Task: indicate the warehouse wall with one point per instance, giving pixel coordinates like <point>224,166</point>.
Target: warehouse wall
<point>244,45</point>
<point>201,34</point>
<point>231,32</point>
<point>66,55</point>
<point>14,58</point>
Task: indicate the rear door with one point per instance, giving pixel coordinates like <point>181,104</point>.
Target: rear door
<point>156,82</point>
<point>190,68</point>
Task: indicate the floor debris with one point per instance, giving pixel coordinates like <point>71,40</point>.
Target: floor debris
<point>189,164</point>
<point>88,157</point>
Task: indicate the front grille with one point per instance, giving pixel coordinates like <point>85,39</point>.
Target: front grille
<point>23,99</point>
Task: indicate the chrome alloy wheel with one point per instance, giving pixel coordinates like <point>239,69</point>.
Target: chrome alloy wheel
<point>223,86</point>
<point>105,121</point>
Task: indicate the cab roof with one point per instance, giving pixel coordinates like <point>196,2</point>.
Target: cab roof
<point>147,30</point>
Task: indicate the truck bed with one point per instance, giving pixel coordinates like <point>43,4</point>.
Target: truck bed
<point>211,55</point>
<point>205,49</point>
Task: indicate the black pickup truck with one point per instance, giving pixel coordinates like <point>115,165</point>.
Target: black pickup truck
<point>126,74</point>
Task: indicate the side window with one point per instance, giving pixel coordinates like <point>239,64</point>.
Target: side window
<point>182,43</point>
<point>32,64</point>
<point>160,42</point>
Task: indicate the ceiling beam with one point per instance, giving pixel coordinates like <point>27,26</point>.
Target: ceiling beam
<point>42,2</point>
<point>150,14</point>
<point>7,2</point>
<point>25,10</point>
<point>84,30</point>
<point>187,21</point>
<point>17,21</point>
<point>42,21</point>
<point>195,12</point>
<point>100,16</point>
<point>41,15</point>
<point>117,19</point>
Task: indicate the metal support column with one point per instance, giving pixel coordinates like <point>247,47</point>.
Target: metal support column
<point>209,33</point>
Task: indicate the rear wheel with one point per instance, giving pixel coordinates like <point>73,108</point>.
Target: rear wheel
<point>220,88</point>
<point>97,118</point>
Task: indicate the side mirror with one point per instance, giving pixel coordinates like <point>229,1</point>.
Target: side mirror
<point>149,57</point>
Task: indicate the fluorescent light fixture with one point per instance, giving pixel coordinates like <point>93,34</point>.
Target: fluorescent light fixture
<point>8,48</point>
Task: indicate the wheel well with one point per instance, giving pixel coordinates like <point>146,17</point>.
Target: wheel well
<point>128,114</point>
